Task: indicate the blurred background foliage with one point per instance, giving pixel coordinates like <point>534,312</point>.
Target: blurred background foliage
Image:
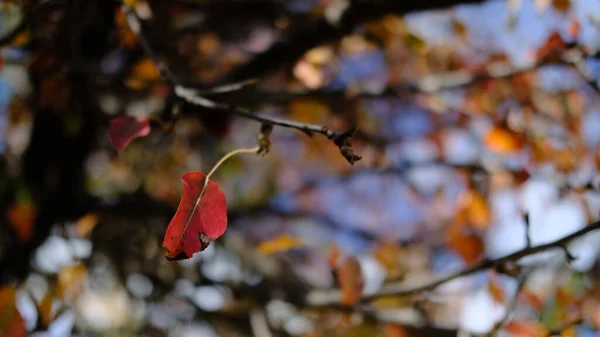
<point>479,127</point>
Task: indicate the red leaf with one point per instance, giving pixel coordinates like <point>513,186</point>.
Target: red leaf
<point>199,220</point>
<point>126,128</point>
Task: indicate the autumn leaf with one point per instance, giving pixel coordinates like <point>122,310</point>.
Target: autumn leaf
<point>553,44</point>
<point>200,218</point>
<point>525,328</point>
<point>503,140</point>
<point>85,225</point>
<point>70,281</point>
<point>468,246</point>
<point>281,243</point>
<point>21,217</point>
<point>395,330</point>
<point>475,210</point>
<point>45,311</point>
<point>350,280</point>
<point>145,70</point>
<point>574,29</point>
<point>126,128</point>
<point>389,255</point>
<point>459,28</point>
<point>11,322</point>
<point>531,299</point>
<point>495,288</point>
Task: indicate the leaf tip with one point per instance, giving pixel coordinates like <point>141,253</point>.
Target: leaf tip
<point>124,129</point>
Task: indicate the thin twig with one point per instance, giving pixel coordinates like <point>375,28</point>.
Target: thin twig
<point>340,138</point>
<point>511,306</point>
<point>222,160</point>
<point>527,230</point>
<point>332,296</point>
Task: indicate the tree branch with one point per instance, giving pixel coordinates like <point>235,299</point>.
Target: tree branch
<point>322,30</point>
<point>332,296</point>
<point>511,306</point>
<point>341,139</point>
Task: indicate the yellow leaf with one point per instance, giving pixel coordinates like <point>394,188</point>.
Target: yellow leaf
<point>569,332</point>
<point>131,3</point>
<point>308,111</point>
<point>320,55</point>
<point>280,244</point>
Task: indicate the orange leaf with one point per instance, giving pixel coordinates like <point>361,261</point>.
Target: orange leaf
<point>146,70</point>
<point>459,28</point>
<point>85,225</point>
<point>11,322</point>
<point>350,280</point>
<point>554,43</point>
<point>469,246</point>
<point>503,140</point>
<point>199,219</point>
<point>531,299</point>
<point>21,217</point>
<point>525,328</point>
<point>495,289</point>
<point>477,211</point>
<point>281,243</point>
<point>395,330</point>
<point>569,332</point>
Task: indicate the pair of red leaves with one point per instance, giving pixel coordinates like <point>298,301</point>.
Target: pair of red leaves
<point>201,216</point>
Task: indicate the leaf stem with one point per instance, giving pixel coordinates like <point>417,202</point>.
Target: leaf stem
<point>223,159</point>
